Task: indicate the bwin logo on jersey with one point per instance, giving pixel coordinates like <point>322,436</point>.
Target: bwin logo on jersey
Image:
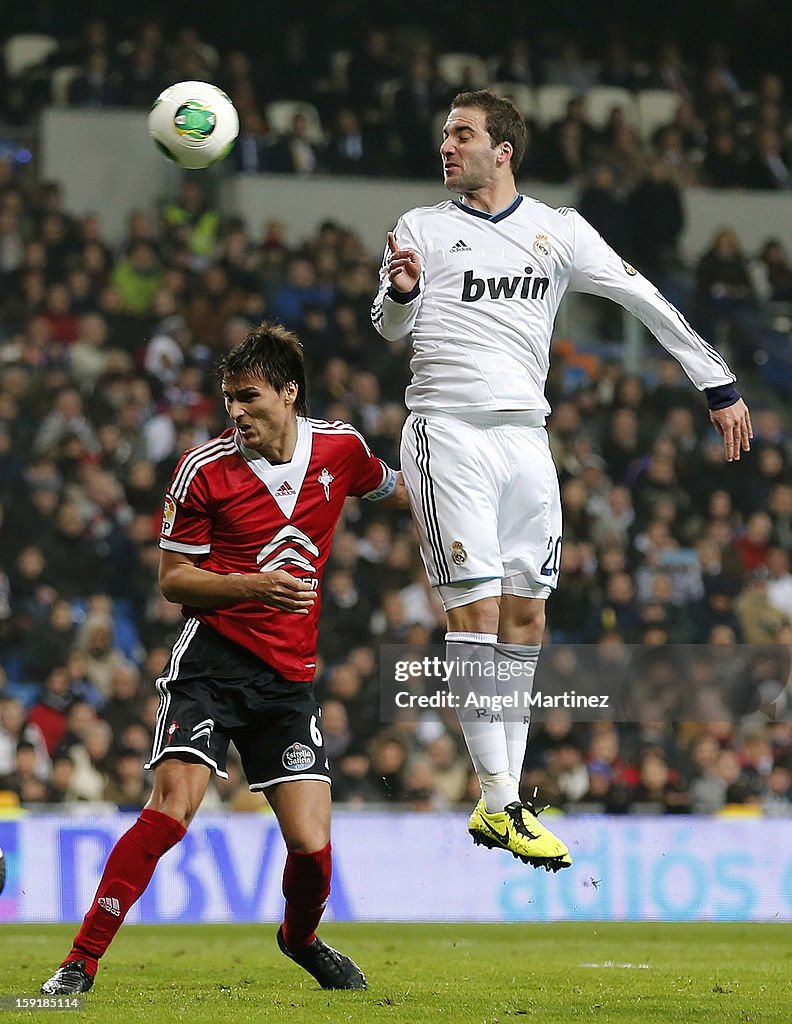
<point>527,287</point>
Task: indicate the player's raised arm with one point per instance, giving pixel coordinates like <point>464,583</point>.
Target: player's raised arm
<point>398,299</point>
<point>404,266</point>
<point>598,270</point>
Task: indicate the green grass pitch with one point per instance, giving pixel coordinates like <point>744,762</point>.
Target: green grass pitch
<point>487,974</point>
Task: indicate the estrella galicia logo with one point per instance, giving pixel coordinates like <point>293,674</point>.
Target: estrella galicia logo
<point>525,286</point>
<point>298,757</point>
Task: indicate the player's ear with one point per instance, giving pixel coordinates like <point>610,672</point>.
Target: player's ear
<point>505,151</point>
<point>291,391</point>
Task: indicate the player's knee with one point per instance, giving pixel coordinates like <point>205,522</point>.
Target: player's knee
<point>479,616</point>
<point>522,622</point>
<point>307,841</point>
<point>175,801</point>
<point>176,805</point>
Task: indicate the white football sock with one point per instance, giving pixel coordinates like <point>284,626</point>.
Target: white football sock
<point>517,721</point>
<point>485,738</point>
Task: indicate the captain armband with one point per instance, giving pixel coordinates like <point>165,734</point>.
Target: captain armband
<point>386,488</point>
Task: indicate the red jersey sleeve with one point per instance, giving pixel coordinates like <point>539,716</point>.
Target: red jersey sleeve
<point>187,518</point>
<point>371,478</point>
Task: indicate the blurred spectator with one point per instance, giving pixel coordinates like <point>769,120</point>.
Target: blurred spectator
<point>137,277</point>
<point>568,67</point>
<point>388,760</point>
<point>449,770</point>
<point>777,800</point>
<point>767,168</point>
<point>65,420</point>
<point>760,620</point>
<point>297,152</point>
<point>95,87</point>
<point>350,149</point>
<point>252,151</point>
<point>15,729</point>
<point>25,781</point>
<point>656,218</point>
<point>420,98</point>
<point>771,272</point>
<point>102,659</point>
<point>605,210</point>
<point>670,71</point>
<point>722,166</point>
<point>91,758</point>
<point>517,63</point>
<point>49,642</point>
<point>126,786</point>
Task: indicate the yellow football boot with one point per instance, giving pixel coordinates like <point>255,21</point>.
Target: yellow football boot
<point>517,829</point>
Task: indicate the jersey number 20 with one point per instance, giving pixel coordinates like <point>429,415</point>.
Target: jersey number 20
<point>551,563</point>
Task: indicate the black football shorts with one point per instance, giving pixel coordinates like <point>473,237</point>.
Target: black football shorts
<point>213,691</point>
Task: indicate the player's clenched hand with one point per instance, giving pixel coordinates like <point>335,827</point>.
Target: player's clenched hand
<point>404,267</point>
<point>282,590</point>
<point>734,425</point>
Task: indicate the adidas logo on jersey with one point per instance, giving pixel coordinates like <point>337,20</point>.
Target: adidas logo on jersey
<point>110,904</point>
<point>460,247</point>
<point>285,490</point>
<point>528,287</point>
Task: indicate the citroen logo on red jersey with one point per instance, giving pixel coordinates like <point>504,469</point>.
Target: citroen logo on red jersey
<point>282,550</point>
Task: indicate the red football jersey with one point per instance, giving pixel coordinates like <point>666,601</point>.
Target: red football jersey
<point>239,513</point>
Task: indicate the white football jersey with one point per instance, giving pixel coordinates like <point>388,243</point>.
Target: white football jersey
<point>482,319</point>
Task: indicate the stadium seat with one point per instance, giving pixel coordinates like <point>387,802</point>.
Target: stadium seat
<point>25,50</point>
<point>280,116</point>
<point>60,80</point>
<point>656,107</point>
<point>521,95</point>
<point>601,100</point>
<point>551,103</point>
<point>454,67</point>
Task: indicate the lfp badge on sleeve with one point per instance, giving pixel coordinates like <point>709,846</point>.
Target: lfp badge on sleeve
<point>168,514</point>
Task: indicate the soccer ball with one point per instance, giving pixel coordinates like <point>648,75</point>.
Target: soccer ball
<point>194,124</point>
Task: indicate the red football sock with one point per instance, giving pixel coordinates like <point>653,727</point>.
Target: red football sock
<point>127,873</point>
<point>306,886</point>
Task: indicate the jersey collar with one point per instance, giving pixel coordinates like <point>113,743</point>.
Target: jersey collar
<point>284,480</point>
<point>493,217</point>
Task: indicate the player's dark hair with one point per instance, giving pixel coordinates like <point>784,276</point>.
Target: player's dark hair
<point>505,123</point>
<point>271,352</point>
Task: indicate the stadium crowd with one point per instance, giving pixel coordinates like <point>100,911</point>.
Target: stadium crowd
<point>371,98</point>
<point>106,376</point>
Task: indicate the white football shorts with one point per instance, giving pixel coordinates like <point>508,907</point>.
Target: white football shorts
<point>486,504</point>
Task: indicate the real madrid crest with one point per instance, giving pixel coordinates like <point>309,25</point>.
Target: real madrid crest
<point>458,553</point>
<point>541,245</point>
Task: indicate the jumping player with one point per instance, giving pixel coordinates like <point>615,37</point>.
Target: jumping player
<point>477,281</point>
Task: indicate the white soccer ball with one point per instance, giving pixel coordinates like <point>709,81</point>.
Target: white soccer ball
<point>194,124</point>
